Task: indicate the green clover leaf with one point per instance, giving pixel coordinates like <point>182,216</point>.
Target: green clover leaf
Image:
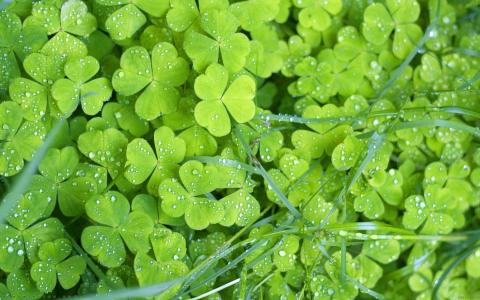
<point>178,200</point>
<point>21,285</point>
<point>241,208</point>
<point>382,251</point>
<point>72,17</point>
<point>285,258</point>
<point>317,209</point>
<point>54,264</point>
<point>237,99</point>
<point>59,168</point>
<point>117,226</point>
<point>92,94</point>
<point>142,160</point>
<point>380,21</point>
<point>253,13</point>
<point>221,40</point>
<point>431,210</point>
<point>198,141</point>
<point>18,241</point>
<point>106,148</point>
<point>124,22</point>
<point>160,75</point>
<point>317,15</point>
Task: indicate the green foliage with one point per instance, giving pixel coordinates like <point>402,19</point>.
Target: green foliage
<point>247,149</point>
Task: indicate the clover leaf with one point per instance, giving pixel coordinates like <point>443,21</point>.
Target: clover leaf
<point>241,208</point>
<point>178,200</point>
<point>117,225</point>
<point>221,41</point>
<point>379,22</point>
<point>18,139</point>
<point>21,285</point>
<point>431,210</point>
<point>142,160</point>
<point>160,74</point>
<point>217,99</point>
<point>105,147</point>
<point>16,41</point>
<point>124,22</point>
<point>58,168</point>
<point>184,13</point>
<point>317,15</point>
<point>55,263</point>
<point>69,92</point>
<point>198,141</point>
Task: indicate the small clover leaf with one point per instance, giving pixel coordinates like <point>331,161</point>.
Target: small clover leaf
<point>382,251</point>
<point>237,99</point>
<point>431,210</point>
<point>62,47</point>
<point>161,75</point>
<point>198,141</point>
<point>284,257</point>
<point>178,200</point>
<point>58,168</point>
<point>317,15</point>
<point>370,272</point>
<point>222,41</point>
<point>16,242</point>
<point>54,264</point>
<point>317,209</point>
<point>253,13</point>
<point>142,161</point>
<point>241,208</point>
<point>69,92</point>
<point>118,225</point>
<point>184,13</point>
<point>124,22</point>
<point>105,147</point>
<point>72,17</point>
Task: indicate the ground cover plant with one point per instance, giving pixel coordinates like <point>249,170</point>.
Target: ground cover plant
<point>254,149</point>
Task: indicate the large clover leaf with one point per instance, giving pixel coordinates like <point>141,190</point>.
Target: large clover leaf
<point>217,99</point>
<point>178,200</point>
<point>116,226</point>
<point>69,92</point>
<point>54,264</point>
<point>222,41</point>
<point>142,161</point>
<point>160,75</point>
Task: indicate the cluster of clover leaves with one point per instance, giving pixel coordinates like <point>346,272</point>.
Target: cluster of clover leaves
<point>254,149</point>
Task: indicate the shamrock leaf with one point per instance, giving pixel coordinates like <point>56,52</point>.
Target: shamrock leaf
<point>69,92</point>
<point>178,200</point>
<point>317,15</point>
<point>54,264</point>
<point>142,160</point>
<point>317,209</point>
<point>72,17</point>
<point>19,140</point>
<point>253,13</point>
<point>431,210</point>
<point>241,208</point>
<point>160,75</point>
<point>222,41</point>
<point>285,258</point>
<point>25,236</point>
<point>380,21</point>
<point>184,13</point>
<point>217,99</point>
<point>382,251</point>
<point>105,147</point>
<point>58,168</point>
<point>117,226</point>
<point>21,285</point>
<point>198,141</point>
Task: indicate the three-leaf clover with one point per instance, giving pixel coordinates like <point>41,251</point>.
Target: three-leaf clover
<point>77,88</point>
<point>54,264</point>
<point>160,74</point>
<point>169,249</point>
<point>142,160</point>
<point>124,22</point>
<point>117,225</point>
<point>19,139</point>
<point>72,17</point>
<point>317,14</point>
<point>221,41</point>
<point>184,13</point>
<point>218,97</point>
<point>59,169</point>
<point>380,20</point>
<point>178,200</point>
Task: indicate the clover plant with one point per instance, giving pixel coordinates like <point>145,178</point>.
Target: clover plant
<point>247,149</point>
